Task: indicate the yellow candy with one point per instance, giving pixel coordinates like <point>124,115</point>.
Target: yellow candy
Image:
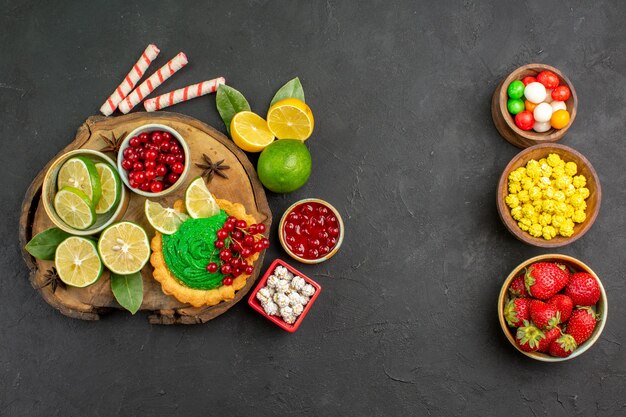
<point>579,181</point>
<point>535,230</point>
<point>569,191</point>
<point>515,187</point>
<point>511,200</point>
<point>523,196</point>
<point>546,170</point>
<point>558,220</point>
<point>534,193</point>
<point>571,168</point>
<point>563,182</point>
<point>545,219</point>
<point>517,213</point>
<point>534,171</point>
<point>549,193</point>
<point>527,183</point>
<point>548,206</point>
<point>548,232</point>
<point>584,192</point>
<point>524,224</point>
<point>576,200</point>
<point>559,196</point>
<point>560,207</point>
<point>516,176</point>
<point>528,210</point>
<point>569,211</point>
<point>579,216</point>
<point>558,171</point>
<point>543,161</point>
<point>554,160</point>
<point>544,182</point>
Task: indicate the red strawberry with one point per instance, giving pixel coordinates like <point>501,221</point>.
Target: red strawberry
<point>544,279</point>
<point>551,336</point>
<point>518,287</point>
<point>583,289</point>
<point>544,315</point>
<point>564,304</point>
<point>581,324</point>
<point>516,311</point>
<point>528,337</point>
<point>563,346</point>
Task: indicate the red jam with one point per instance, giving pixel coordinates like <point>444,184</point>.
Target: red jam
<point>311,230</point>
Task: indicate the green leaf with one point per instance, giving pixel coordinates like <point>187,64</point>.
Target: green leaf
<point>230,102</point>
<point>293,89</point>
<point>128,290</point>
<point>44,244</point>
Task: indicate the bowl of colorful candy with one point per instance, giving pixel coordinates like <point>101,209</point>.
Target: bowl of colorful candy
<point>535,104</point>
<point>552,307</point>
<point>311,231</point>
<point>548,195</point>
<point>153,160</point>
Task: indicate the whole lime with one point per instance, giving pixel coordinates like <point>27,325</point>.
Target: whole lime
<point>284,165</point>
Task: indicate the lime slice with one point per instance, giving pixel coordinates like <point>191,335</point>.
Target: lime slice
<point>199,201</point>
<point>74,208</point>
<point>111,186</point>
<point>80,172</point>
<point>165,220</point>
<point>124,248</point>
<point>77,262</point>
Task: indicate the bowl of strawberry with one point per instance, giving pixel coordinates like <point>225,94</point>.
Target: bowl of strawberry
<point>552,307</point>
<point>152,160</point>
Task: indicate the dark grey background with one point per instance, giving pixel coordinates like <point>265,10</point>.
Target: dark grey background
<point>403,146</point>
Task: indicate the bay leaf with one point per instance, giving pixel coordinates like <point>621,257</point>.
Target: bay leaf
<point>44,245</point>
<point>128,290</point>
<point>291,89</point>
<point>230,102</point>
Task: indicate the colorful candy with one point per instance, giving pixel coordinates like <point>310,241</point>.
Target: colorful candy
<point>538,103</point>
<point>525,120</point>
<point>130,80</point>
<point>183,94</point>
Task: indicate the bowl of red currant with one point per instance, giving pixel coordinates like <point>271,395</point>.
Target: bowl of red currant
<point>311,231</point>
<point>153,160</point>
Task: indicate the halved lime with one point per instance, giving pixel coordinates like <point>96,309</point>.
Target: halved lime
<point>77,262</point>
<point>80,172</point>
<point>111,186</point>
<point>164,219</point>
<point>74,208</point>
<point>199,201</point>
<point>124,248</point>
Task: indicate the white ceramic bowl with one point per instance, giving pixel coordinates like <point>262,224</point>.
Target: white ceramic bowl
<point>49,189</point>
<point>151,128</point>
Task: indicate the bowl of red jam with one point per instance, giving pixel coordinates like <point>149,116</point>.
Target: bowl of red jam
<point>311,231</point>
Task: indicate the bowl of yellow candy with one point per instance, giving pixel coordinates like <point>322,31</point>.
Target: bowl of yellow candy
<point>549,195</point>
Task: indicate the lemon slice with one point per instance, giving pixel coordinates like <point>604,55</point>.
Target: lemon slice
<point>111,186</point>
<point>124,248</point>
<point>165,220</point>
<point>74,208</point>
<point>77,262</point>
<point>290,119</point>
<point>250,132</point>
<point>199,201</point>
<point>80,172</point>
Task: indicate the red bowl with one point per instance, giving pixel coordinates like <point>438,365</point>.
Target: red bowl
<point>277,320</point>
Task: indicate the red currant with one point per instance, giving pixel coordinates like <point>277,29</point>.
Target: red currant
<point>144,186</point>
<point>249,270</point>
<point>179,157</point>
<point>222,234</point>
<point>313,253</point>
<point>156,138</point>
<point>246,252</point>
<point>150,165</point>
<point>241,224</point>
<point>140,177</point>
<point>260,228</point>
<point>156,186</point>
<point>225,254</point>
<point>170,159</point>
<point>151,155</point>
<point>126,164</point>
<point>161,170</point>
<point>226,269</point>
<point>172,178</point>
<point>128,152</point>
<point>248,241</point>
<point>178,168</point>
<point>252,229</point>
<point>231,219</point>
<point>258,247</point>
<point>134,142</point>
<point>143,137</point>
<point>227,281</point>
<point>228,227</point>
<point>265,242</point>
<point>237,234</point>
<point>137,166</point>
<point>324,250</point>
<point>333,231</point>
<point>211,267</point>
<point>166,146</point>
<point>150,174</point>
<point>161,158</point>
<point>167,136</point>
<point>219,244</point>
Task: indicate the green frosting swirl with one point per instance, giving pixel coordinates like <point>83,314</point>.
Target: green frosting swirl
<point>188,252</point>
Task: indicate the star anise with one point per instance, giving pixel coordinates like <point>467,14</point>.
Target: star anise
<point>113,143</point>
<point>51,278</point>
<point>210,168</point>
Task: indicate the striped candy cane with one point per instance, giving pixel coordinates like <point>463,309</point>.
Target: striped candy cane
<point>183,94</point>
<point>155,80</point>
<point>130,80</point>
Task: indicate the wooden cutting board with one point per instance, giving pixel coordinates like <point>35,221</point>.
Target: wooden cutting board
<point>242,186</point>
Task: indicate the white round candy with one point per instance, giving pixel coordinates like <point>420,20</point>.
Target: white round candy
<point>548,96</point>
<point>535,92</point>
<point>541,127</point>
<point>558,105</point>
<point>542,112</point>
